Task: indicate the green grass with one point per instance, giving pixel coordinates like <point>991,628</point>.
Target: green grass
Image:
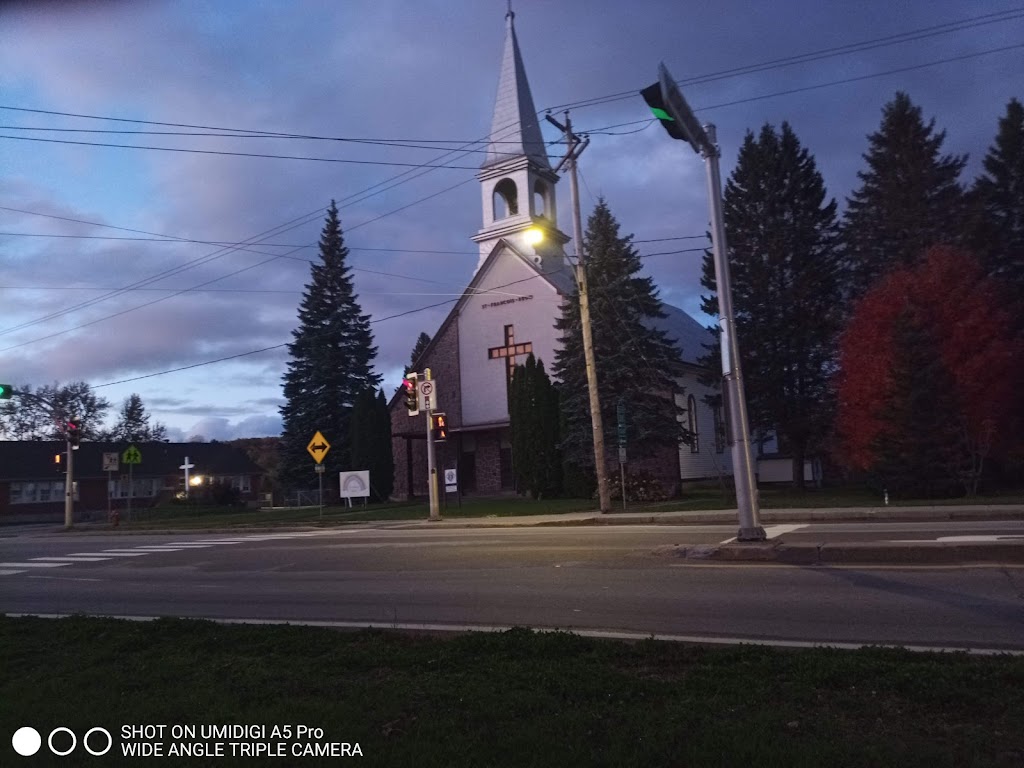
<point>516,698</point>
<point>185,517</point>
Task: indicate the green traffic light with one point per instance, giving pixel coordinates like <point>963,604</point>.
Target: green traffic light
<point>6,391</point>
<point>661,114</point>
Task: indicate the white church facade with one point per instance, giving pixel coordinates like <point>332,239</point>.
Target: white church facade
<point>509,310</point>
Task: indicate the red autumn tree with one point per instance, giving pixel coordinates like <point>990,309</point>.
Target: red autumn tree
<point>949,301</point>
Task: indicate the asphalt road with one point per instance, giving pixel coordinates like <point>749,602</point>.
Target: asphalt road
<point>619,578</point>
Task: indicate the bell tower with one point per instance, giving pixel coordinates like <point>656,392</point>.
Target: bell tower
<point>516,180</point>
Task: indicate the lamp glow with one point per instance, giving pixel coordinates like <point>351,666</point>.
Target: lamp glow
<point>534,235</point>
<point>195,480</point>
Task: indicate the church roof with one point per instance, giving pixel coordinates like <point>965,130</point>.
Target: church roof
<point>689,336</point>
<point>515,131</point>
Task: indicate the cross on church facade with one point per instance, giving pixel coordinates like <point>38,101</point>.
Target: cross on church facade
<point>510,351</point>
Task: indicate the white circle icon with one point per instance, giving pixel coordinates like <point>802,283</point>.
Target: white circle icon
<point>105,732</point>
<point>69,732</point>
<point>26,741</point>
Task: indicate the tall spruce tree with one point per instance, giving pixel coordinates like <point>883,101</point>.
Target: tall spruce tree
<point>533,416</point>
<point>909,198</point>
<point>331,363</point>
<point>786,283</point>
<point>635,361</point>
<point>422,341</point>
<point>370,435</point>
<point>999,195</point>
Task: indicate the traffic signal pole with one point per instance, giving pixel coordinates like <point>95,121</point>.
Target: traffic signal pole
<point>435,512</point>
<point>668,105</point>
<point>744,475</point>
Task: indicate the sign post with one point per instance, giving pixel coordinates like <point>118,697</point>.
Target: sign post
<point>131,457</point>
<point>428,394</point>
<point>110,465</point>
<point>318,448</point>
<point>620,413</point>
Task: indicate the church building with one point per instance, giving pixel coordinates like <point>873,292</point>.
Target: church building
<point>509,309</point>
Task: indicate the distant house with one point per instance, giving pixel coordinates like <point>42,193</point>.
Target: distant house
<point>32,480</point>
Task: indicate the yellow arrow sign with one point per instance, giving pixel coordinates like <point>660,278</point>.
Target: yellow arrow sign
<point>318,447</point>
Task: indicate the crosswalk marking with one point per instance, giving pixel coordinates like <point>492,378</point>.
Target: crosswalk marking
<point>56,561</point>
<point>32,565</point>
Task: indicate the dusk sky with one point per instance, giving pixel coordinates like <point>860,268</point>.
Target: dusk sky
<point>101,277</point>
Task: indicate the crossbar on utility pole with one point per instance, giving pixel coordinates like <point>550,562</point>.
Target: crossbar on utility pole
<point>575,148</point>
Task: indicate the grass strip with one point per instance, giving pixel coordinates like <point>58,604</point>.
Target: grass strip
<point>511,699</point>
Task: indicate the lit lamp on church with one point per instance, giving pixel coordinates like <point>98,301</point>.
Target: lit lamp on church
<point>195,480</point>
<point>534,235</point>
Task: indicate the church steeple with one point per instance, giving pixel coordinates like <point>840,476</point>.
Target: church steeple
<point>516,178</point>
<point>515,130</point>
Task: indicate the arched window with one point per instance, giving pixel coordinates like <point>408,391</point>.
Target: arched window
<point>540,200</point>
<point>506,202</point>
<point>691,424</point>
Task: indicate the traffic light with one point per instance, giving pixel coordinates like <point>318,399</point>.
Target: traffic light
<point>412,398</point>
<point>439,426</point>
<point>74,431</point>
<point>6,391</point>
<point>652,95</point>
<point>56,460</point>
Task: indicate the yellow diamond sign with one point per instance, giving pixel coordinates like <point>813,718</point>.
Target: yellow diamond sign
<point>318,447</point>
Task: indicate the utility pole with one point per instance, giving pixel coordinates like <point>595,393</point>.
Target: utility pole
<point>58,416</point>
<point>69,489</point>
<point>669,106</point>
<point>575,149</point>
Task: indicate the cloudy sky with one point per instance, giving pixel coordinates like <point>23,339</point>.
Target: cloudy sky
<point>118,262</point>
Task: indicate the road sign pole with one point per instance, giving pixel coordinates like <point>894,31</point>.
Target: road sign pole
<point>131,490</point>
<point>69,490</point>
<point>320,476</point>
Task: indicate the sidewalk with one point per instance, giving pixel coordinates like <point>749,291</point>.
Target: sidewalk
<point>823,553</point>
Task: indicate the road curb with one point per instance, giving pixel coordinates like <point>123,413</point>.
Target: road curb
<point>860,553</point>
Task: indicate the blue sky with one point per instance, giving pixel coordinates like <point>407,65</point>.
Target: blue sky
<point>422,71</point>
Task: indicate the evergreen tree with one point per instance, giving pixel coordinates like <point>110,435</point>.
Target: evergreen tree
<point>916,448</point>
<point>421,344</point>
<point>331,363</point>
<point>370,432</point>
<point>910,197</point>
<point>533,415</point>
<point>133,424</point>
<point>383,457</point>
<point>999,196</point>
<point>635,361</point>
<point>785,268</point>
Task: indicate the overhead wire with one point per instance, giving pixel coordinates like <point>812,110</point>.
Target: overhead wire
<point>423,167</point>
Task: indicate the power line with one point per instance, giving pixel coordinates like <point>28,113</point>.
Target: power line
<point>222,252</point>
<point>224,243</point>
<point>811,56</point>
<point>226,153</point>
<point>830,83</point>
<point>279,346</point>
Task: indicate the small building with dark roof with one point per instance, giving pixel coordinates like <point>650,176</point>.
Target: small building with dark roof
<point>33,476</point>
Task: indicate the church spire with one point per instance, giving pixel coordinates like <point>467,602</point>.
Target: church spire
<point>515,131</point>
